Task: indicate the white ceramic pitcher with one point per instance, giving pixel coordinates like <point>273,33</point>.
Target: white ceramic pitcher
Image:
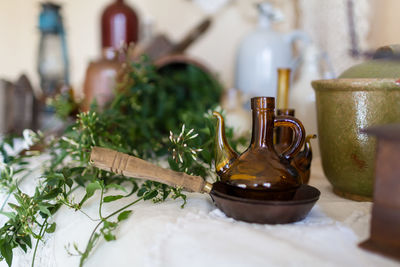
<point>262,52</point>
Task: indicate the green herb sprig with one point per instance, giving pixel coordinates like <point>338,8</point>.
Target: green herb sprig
<point>145,120</point>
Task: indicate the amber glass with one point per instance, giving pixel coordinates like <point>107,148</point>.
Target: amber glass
<point>283,88</point>
<point>119,24</point>
<point>284,137</point>
<point>260,168</point>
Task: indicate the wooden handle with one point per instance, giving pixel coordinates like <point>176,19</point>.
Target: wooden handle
<point>192,36</point>
<point>124,164</point>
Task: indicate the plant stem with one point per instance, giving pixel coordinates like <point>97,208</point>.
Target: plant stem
<point>6,200</point>
<point>44,225</point>
<point>101,202</point>
<point>86,252</point>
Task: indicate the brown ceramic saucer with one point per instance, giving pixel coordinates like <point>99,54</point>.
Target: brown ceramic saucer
<point>265,211</point>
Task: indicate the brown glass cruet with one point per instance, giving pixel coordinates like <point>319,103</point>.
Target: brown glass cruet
<point>260,168</point>
<point>284,137</point>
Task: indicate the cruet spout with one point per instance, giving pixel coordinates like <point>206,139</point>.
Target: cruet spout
<point>224,154</point>
<point>302,161</point>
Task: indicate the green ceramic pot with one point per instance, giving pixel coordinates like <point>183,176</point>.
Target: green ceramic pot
<point>344,106</point>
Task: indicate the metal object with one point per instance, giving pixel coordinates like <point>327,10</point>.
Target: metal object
<point>385,222</point>
<point>161,46</point>
<point>53,64</point>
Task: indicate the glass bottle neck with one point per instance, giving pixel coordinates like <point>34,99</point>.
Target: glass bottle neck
<point>283,88</point>
<point>263,127</point>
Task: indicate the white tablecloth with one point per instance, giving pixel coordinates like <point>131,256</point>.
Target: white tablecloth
<point>200,235</point>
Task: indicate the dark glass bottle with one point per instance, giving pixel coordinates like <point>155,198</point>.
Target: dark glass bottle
<point>284,137</point>
<point>119,24</point>
<point>260,168</point>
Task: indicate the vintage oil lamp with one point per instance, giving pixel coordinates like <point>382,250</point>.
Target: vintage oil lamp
<point>53,64</point>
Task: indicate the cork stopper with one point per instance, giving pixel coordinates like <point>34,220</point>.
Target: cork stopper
<point>263,102</point>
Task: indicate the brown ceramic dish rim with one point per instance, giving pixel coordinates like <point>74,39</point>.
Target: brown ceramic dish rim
<point>271,202</point>
<point>357,84</point>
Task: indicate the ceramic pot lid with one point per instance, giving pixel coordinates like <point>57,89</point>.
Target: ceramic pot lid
<point>384,64</point>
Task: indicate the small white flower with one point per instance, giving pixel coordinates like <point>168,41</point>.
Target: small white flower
<point>191,131</point>
<point>194,136</point>
<point>68,140</point>
<point>29,138</point>
<point>178,139</point>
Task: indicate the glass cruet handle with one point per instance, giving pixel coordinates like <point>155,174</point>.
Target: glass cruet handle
<point>299,134</point>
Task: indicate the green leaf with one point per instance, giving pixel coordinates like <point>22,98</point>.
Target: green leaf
<point>150,195</point>
<point>172,164</point>
<point>45,210</point>
<point>69,182</point>
<point>27,240</point>
<point>13,206</point>
<point>23,246</point>
<point>124,215</point>
<point>109,236</point>
<point>10,215</point>
<point>54,178</point>
<point>110,225</point>
<point>52,228</point>
<point>19,198</point>
<point>112,198</point>
<point>52,194</point>
<point>6,252</point>
<point>141,191</point>
<point>92,187</point>
<point>116,186</point>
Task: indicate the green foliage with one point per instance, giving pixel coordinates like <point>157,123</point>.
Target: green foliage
<point>64,104</point>
<point>148,107</point>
